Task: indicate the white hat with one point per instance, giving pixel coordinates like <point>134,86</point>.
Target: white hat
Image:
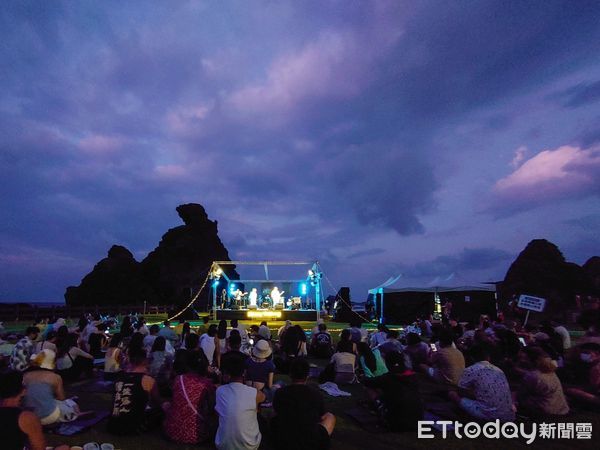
<point>262,349</point>
<point>45,359</point>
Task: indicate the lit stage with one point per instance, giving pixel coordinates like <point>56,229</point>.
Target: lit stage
<point>268,315</point>
<point>266,290</point>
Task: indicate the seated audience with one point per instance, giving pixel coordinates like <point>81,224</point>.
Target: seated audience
<point>45,393</point>
<point>341,367</point>
<point>391,344</point>
<point>371,362</point>
<point>149,339</point>
<point>486,394</point>
<point>211,346</point>
<point>203,328</point>
<point>160,362</point>
<point>417,350</point>
<point>589,393</point>
<point>48,343</point>
<point>20,428</point>
<point>20,359</point>
<point>264,331</point>
<point>191,417</point>
<point>396,395</point>
<point>112,359</point>
<point>447,362</point>
<point>380,336</point>
<point>237,408</point>
<point>321,344</point>
<point>136,400</point>
<point>169,333</point>
<point>300,420</point>
<point>260,368</point>
<point>71,361</point>
<point>540,392</point>
<point>97,341</point>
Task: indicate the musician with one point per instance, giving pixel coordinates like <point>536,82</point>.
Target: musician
<point>276,296</point>
<point>224,299</point>
<point>239,296</point>
<point>253,297</point>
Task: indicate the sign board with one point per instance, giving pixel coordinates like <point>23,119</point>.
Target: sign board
<point>530,303</point>
<point>467,298</point>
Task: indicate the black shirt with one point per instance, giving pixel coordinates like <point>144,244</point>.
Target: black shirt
<point>403,406</point>
<point>12,436</point>
<point>296,426</point>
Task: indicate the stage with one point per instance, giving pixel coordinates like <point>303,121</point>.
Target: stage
<point>259,315</point>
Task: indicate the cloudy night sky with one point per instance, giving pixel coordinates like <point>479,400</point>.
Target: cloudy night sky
<point>422,138</point>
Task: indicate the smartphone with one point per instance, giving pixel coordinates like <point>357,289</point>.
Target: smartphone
<point>433,347</point>
<point>522,341</point>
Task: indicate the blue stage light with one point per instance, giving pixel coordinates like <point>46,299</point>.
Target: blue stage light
<point>216,283</point>
<point>231,288</point>
<point>303,289</point>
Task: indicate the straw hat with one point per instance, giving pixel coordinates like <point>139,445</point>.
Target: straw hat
<point>262,349</point>
<point>44,359</point>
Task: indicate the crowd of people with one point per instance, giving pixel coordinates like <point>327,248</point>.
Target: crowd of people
<point>212,383</point>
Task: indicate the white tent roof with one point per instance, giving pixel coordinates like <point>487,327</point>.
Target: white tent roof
<point>448,283</point>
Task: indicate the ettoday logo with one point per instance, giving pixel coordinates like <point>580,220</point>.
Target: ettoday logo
<point>508,430</point>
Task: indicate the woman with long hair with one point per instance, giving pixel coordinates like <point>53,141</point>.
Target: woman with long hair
<point>371,362</point>
<point>112,359</point>
<point>71,361</point>
<point>222,336</point>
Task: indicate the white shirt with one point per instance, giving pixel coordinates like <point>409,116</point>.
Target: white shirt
<point>564,334</point>
<point>238,424</point>
<point>207,344</point>
<point>253,297</point>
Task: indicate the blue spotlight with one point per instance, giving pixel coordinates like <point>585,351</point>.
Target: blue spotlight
<point>303,288</point>
<point>232,288</point>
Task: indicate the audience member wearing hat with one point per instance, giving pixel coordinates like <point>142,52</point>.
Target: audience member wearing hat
<point>260,367</point>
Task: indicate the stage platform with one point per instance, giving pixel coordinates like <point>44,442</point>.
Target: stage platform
<point>267,314</point>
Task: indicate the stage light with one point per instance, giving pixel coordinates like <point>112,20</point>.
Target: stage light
<point>311,273</point>
<point>216,283</point>
<point>303,288</point>
<point>263,314</point>
<point>231,289</point>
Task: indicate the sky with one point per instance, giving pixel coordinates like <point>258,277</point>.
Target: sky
<point>421,138</point>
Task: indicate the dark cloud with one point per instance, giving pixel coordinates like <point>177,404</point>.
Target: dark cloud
<point>304,128</point>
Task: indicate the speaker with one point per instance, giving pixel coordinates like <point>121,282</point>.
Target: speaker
<point>279,306</point>
<point>252,306</point>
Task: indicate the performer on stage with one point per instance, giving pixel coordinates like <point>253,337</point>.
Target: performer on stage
<point>239,297</point>
<point>253,297</point>
<point>224,299</point>
<point>276,296</point>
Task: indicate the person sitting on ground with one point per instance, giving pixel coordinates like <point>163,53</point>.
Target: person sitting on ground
<point>253,335</point>
<point>48,343</point>
<point>60,322</point>
<point>294,342</point>
<point>112,359</point>
<point>357,333</point>
<point>136,401</point>
<point>391,344</point>
<point>485,391</point>
<point>71,361</point>
<point>341,367</point>
<point>346,335</point>
<point>20,428</point>
<point>260,369</point>
<point>300,420</point>
<point>45,391</point>
<point>20,359</point>
<point>264,331</point>
<point>192,342</point>
<point>540,393</point>
<point>380,336</point>
<point>149,339</point>
<point>169,333</point>
<point>235,325</point>
<point>211,346</point>
<point>126,329</point>
<point>237,408</point>
<point>160,363</point>
<point>186,330</point>
<point>396,395</point>
<point>190,417</point>
<point>563,333</point>
<point>203,328</point>
<point>447,363</point>
<point>141,327</point>
<point>280,333</point>
<point>589,393</point>
<point>234,343</point>
<point>97,341</point>
<point>417,350</point>
<point>321,344</point>
<point>371,362</point>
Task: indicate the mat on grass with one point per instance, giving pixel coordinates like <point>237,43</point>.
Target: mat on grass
<point>81,424</point>
<point>96,385</point>
<point>366,419</point>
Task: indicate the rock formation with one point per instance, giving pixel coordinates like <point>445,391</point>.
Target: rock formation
<point>168,275</point>
<point>541,270</point>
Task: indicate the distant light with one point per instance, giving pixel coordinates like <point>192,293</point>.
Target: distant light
<point>311,273</point>
<point>216,283</point>
<point>303,288</point>
<point>232,288</point>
